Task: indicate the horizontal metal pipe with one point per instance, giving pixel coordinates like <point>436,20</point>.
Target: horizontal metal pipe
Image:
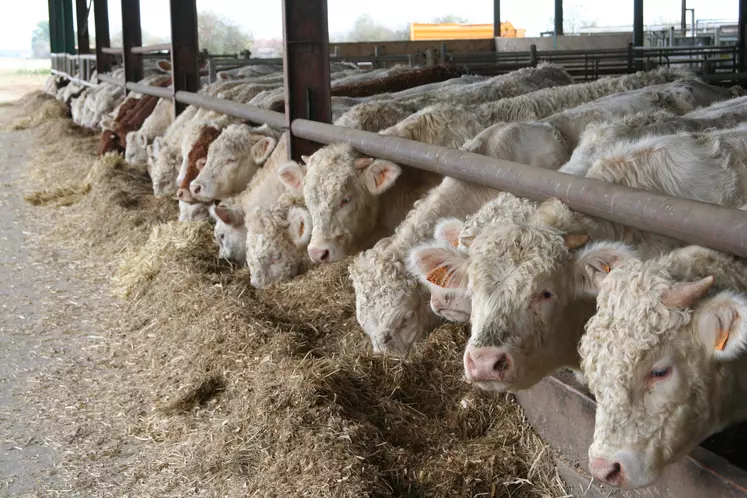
<point>112,50</point>
<point>156,91</point>
<point>111,79</point>
<point>152,48</point>
<point>72,79</point>
<point>694,222</point>
<point>236,109</point>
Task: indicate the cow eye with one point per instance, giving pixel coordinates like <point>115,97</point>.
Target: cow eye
<point>222,236</point>
<point>660,373</point>
<point>276,257</point>
<point>345,201</point>
<point>546,294</point>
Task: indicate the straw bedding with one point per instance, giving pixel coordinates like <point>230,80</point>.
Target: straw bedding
<point>208,386</point>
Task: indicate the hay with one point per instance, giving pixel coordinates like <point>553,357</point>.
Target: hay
<point>170,241</point>
<point>40,108</point>
<point>230,391</point>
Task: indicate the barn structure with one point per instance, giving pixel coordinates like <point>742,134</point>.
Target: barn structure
<point>561,411</point>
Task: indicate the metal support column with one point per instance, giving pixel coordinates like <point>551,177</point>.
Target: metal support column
<point>638,23</point>
<point>101,20</point>
<point>68,30</point>
<point>306,59</point>
<point>683,22</point>
<point>132,36</point>
<point>185,66</point>
<point>497,18</point>
<point>54,27</point>
<point>81,17</point>
<point>558,17</point>
<point>742,41</point>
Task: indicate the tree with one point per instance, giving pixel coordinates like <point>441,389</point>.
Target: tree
<point>366,29</point>
<point>40,40</point>
<point>573,20</point>
<point>450,19</point>
<point>148,39</point>
<point>220,35</point>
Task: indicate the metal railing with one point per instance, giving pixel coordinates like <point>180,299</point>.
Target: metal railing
<point>690,221</point>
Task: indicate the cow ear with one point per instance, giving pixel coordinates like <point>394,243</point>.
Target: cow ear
<point>299,230</point>
<point>575,240</point>
<point>448,230</point>
<point>593,264</point>
<point>262,149</point>
<point>224,76</point>
<point>164,65</point>
<point>227,215</point>
<point>721,324</point>
<point>439,267</point>
<point>380,175</point>
<point>156,145</point>
<point>291,175</point>
<point>142,140</point>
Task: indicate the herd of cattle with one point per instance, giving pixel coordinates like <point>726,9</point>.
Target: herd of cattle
<point>657,330</point>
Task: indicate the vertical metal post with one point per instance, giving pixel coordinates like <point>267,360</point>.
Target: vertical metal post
<point>53,34</point>
<point>306,59</point>
<point>81,17</point>
<point>496,18</point>
<point>132,36</point>
<point>683,22</point>
<point>742,41</point>
<point>185,65</point>
<point>558,17</point>
<point>68,30</point>
<point>638,23</point>
<point>101,21</point>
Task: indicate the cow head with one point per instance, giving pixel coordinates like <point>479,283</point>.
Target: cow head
<point>164,168</point>
<point>229,232</point>
<point>453,304</point>
<point>390,305</point>
<point>342,192</point>
<point>134,152</point>
<point>660,357</point>
<point>531,288</point>
<point>276,242</point>
<point>233,158</point>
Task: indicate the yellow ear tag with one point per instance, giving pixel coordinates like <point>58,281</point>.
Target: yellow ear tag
<point>606,268</point>
<point>722,339</point>
<point>454,242</point>
<point>438,276</point>
<point>380,178</point>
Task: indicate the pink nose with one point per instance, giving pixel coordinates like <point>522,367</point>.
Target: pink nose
<point>607,471</point>
<point>486,363</point>
<point>184,195</point>
<point>319,255</point>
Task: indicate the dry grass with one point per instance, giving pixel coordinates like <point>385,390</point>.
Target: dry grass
<point>42,107</point>
<point>208,386</point>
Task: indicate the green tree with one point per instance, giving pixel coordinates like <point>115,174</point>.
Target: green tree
<point>220,35</point>
<point>40,40</point>
<point>366,29</point>
<point>450,18</point>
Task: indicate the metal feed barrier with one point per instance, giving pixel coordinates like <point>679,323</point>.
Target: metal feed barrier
<point>307,119</point>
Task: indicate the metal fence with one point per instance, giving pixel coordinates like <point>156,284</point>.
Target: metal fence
<point>690,221</point>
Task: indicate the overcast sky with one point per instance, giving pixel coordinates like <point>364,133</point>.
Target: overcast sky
<point>262,18</point>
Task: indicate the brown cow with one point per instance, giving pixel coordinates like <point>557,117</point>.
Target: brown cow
<point>196,161</point>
